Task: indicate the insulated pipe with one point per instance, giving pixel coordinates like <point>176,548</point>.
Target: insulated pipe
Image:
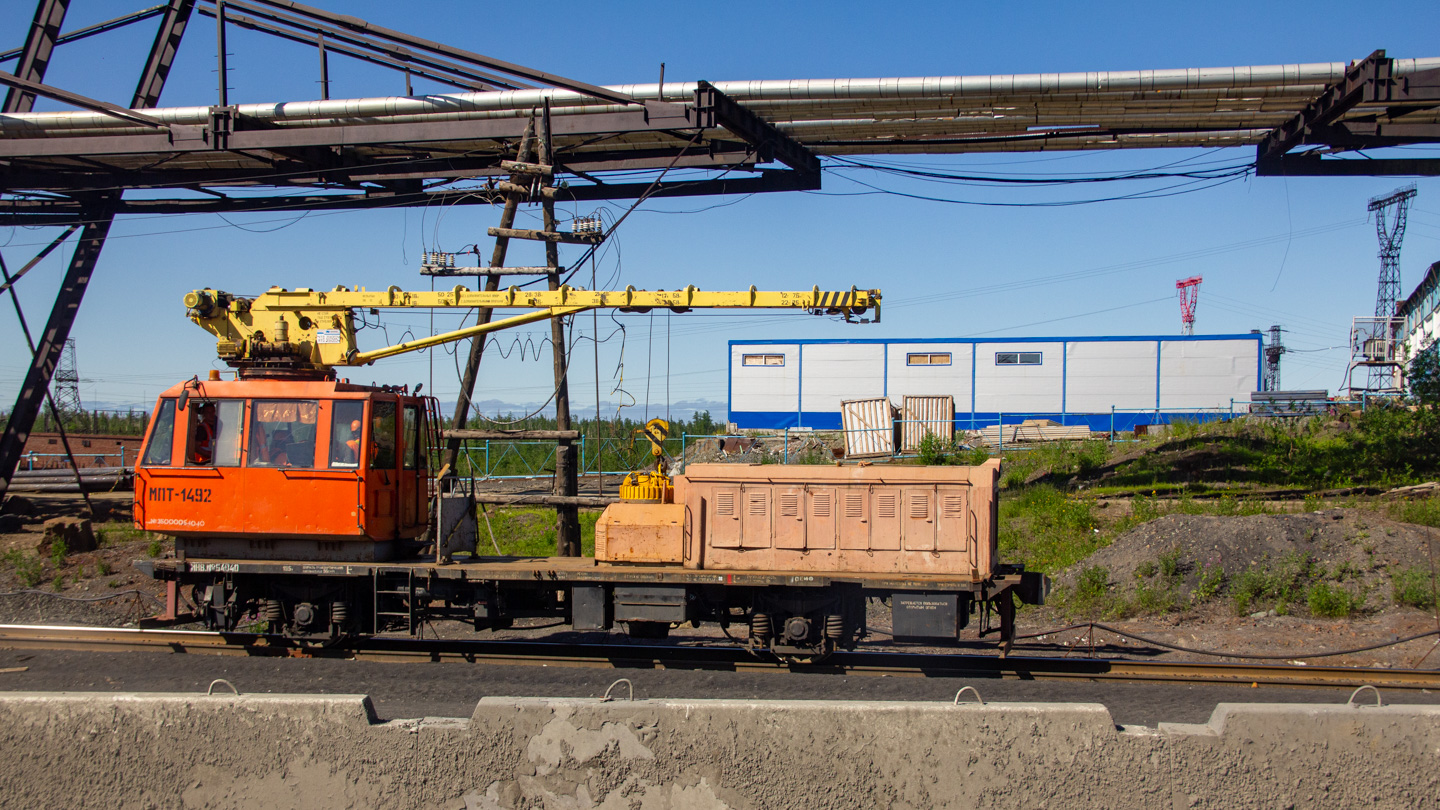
<point>807,90</point>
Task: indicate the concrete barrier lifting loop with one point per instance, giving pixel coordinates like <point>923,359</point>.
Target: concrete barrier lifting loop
<point>976,692</point>
<point>626,681</point>
<point>211,689</point>
<point>1351,702</point>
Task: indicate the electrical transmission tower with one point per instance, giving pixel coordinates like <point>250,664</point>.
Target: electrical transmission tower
<point>1189,289</point>
<point>1373,340</point>
<point>1273,350</point>
<point>1391,233</point>
<point>66,386</point>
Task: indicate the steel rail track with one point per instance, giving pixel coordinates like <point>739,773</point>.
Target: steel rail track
<point>676,657</point>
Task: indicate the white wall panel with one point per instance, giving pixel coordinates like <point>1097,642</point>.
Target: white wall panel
<point>922,381</point>
<point>765,388</point>
<point>1207,373</point>
<point>1017,389</point>
<point>1101,374</point>
<point>835,372</point>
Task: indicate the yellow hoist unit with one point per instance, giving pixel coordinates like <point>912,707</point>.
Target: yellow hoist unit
<point>313,331</point>
<point>646,486</point>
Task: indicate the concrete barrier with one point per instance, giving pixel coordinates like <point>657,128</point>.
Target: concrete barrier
<point>167,750</point>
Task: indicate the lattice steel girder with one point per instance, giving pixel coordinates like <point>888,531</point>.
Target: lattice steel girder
<point>1306,165</point>
<point>91,30</point>
<point>64,212</point>
<point>1370,82</point>
<point>359,25</point>
<point>180,139</point>
<point>34,88</point>
<point>717,108</point>
<point>35,56</point>
<point>336,39</point>
<point>162,53</point>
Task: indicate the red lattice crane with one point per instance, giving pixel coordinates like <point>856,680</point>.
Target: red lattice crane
<point>1189,289</point>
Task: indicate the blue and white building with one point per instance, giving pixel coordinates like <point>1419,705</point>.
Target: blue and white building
<point>1103,382</point>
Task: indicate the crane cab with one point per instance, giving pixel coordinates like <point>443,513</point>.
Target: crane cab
<point>275,469</point>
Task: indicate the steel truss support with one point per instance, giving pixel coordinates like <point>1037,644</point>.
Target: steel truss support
<point>98,213</point>
<point>35,56</point>
<point>1371,82</point>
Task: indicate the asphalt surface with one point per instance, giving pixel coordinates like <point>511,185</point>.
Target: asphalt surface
<point>451,689</point>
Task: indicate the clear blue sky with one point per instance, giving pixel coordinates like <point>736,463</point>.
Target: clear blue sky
<point>1298,252</point>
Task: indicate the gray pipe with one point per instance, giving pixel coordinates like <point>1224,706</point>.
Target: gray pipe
<point>879,92</point>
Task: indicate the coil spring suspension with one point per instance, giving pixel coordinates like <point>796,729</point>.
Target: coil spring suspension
<point>272,611</point>
<point>339,613</point>
<point>760,628</point>
<point>834,626</point>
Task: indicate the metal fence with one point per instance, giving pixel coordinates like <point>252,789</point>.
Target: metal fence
<point>56,461</point>
<point>505,459</point>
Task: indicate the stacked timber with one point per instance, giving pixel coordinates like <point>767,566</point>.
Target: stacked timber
<point>92,479</point>
<point>1032,430</point>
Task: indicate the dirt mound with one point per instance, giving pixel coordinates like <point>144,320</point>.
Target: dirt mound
<point>1334,562</point>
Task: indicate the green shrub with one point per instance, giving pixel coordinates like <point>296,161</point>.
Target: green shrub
<point>1093,582</point>
<point>1414,587</point>
<point>155,548</point>
<point>102,568</point>
<point>1170,564</point>
<point>29,570</point>
<point>58,583</point>
<point>932,450</point>
<point>1330,602</point>
<point>1145,570</point>
<point>974,457</point>
<point>1212,580</point>
<point>1152,599</point>
<point>58,552</point>
<point>1246,590</point>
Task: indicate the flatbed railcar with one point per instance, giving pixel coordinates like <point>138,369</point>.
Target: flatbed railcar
<point>307,505</point>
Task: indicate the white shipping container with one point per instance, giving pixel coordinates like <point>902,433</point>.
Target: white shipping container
<point>869,426</point>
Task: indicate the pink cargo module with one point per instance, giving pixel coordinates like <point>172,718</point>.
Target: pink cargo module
<point>841,520</point>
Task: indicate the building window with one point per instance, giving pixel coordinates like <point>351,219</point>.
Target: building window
<point>1017,358</point>
<point>84,442</point>
<point>928,359</point>
<point>763,360</point>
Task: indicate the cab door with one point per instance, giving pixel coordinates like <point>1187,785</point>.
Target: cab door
<point>412,466</point>
<point>383,473</point>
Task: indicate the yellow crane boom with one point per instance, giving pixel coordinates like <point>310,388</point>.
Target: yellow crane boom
<point>313,329</point>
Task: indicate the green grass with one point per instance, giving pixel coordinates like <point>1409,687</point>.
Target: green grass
<point>1423,512</point>
<point>522,532</point>
<point>1414,587</point>
<point>118,534</point>
<point>29,569</point>
<point>1047,530</point>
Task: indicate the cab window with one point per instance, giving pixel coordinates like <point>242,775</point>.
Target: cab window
<point>382,435</point>
<point>346,419</point>
<point>414,451</point>
<point>282,433</point>
<point>213,433</point>
<point>162,438</point>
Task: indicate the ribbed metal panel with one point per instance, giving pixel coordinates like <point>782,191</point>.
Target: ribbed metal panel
<point>926,415</point>
<point>869,426</point>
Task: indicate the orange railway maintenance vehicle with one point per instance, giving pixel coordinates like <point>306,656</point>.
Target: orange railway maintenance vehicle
<point>312,504</point>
